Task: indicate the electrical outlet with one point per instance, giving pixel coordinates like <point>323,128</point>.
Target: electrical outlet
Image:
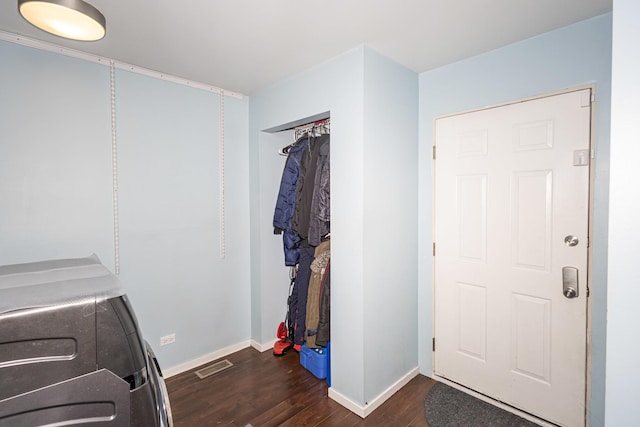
<point>167,339</point>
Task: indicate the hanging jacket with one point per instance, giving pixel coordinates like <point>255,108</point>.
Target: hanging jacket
<point>324,321</point>
<point>300,295</point>
<point>305,187</point>
<point>319,220</point>
<point>285,204</point>
<point>322,255</point>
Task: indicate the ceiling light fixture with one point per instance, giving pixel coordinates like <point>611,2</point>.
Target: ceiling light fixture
<point>72,19</point>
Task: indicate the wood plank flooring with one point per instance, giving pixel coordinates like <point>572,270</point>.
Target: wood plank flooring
<point>264,390</point>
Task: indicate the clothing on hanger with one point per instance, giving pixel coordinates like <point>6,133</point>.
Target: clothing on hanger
<point>302,215</point>
<point>320,127</point>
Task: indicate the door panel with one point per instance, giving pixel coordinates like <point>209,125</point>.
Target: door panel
<point>510,185</point>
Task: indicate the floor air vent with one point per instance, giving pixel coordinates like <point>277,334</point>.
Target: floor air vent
<point>214,368</point>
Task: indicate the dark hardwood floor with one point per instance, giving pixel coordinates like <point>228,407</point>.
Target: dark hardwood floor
<point>264,390</point>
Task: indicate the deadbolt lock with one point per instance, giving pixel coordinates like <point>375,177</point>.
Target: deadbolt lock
<point>570,282</point>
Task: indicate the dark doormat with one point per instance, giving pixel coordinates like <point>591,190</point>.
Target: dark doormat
<point>446,406</point>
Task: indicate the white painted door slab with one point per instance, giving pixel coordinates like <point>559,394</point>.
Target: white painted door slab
<point>511,183</point>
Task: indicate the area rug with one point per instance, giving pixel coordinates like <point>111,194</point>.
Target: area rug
<point>446,406</point>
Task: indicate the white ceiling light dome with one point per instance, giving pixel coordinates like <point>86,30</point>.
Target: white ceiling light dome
<point>72,19</point>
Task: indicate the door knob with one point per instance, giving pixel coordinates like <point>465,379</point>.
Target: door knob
<point>570,282</point>
<point>571,240</point>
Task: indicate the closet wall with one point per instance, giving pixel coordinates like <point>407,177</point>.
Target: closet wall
<point>373,107</point>
<point>56,191</point>
<point>336,87</point>
<point>576,55</point>
<point>623,291</point>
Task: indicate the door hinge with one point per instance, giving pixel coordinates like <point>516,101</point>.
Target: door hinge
<point>434,153</point>
<point>433,344</point>
<point>434,248</point>
<point>587,99</point>
<point>588,292</point>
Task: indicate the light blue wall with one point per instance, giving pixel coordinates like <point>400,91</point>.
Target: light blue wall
<point>623,346</point>
<point>390,220</point>
<point>56,191</point>
<point>572,56</point>
<point>55,157</point>
<point>269,304</point>
<point>168,146</point>
<point>337,87</point>
<point>373,106</point>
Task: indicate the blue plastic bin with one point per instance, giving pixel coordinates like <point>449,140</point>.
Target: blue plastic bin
<point>315,360</point>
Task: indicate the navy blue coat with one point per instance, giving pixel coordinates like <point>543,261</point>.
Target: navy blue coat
<point>286,202</point>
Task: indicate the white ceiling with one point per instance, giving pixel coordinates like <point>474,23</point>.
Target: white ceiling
<point>245,45</point>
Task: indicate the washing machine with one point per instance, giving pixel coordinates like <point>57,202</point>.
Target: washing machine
<point>71,351</point>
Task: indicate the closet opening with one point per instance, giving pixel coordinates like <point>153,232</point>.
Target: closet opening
<point>302,219</point>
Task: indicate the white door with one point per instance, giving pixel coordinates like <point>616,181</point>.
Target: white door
<point>511,183</point>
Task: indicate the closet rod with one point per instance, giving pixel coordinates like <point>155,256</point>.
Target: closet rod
<point>319,127</point>
<point>323,124</point>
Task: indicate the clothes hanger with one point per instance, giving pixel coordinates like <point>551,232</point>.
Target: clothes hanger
<point>315,129</point>
<point>284,151</point>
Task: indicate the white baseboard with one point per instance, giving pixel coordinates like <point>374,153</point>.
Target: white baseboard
<point>262,347</point>
<point>366,410</point>
<point>346,402</point>
<point>203,360</point>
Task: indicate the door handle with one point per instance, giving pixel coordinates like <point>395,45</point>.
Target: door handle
<point>570,287</point>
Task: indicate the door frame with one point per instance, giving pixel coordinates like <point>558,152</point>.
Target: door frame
<point>592,161</point>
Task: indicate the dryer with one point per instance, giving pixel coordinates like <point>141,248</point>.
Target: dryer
<point>71,351</point>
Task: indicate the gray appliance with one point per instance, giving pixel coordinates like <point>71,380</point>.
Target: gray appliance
<point>71,352</point>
